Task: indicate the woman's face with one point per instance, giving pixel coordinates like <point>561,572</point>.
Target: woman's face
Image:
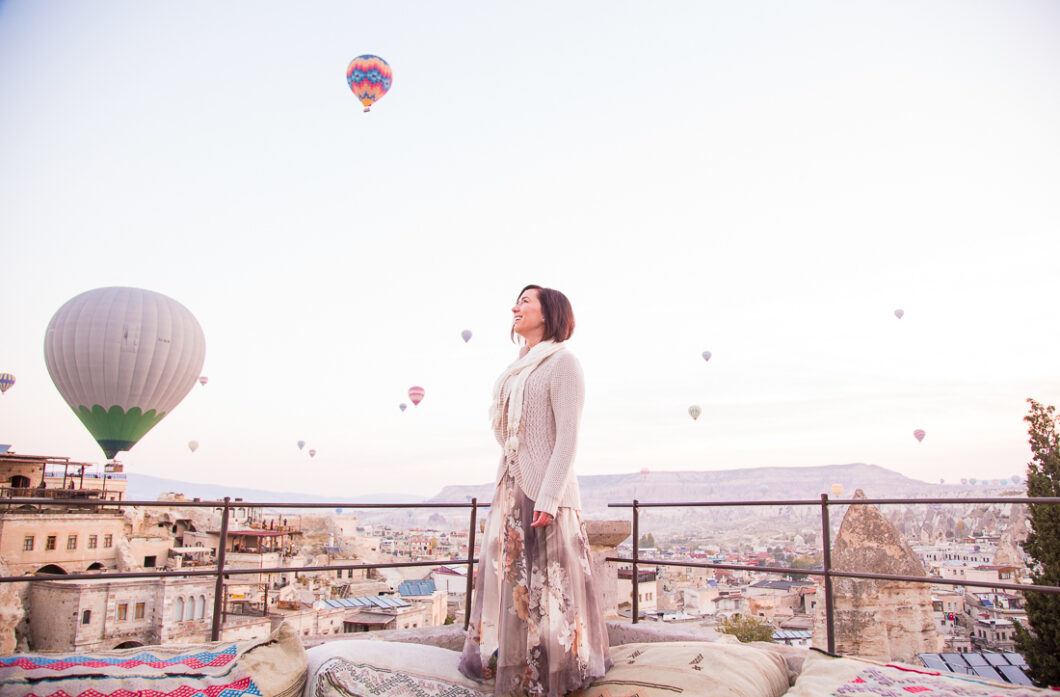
<point>528,321</point>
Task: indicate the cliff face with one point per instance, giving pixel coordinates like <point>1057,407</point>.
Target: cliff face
<point>883,620</point>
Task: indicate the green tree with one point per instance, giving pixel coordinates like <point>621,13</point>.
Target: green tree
<point>1040,643</point>
<point>747,628</point>
<point>647,541</point>
<point>802,562</point>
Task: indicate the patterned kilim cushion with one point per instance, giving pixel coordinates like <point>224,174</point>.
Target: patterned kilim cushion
<point>273,667</point>
<point>857,677</point>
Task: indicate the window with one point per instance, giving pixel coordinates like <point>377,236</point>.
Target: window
<point>27,543</point>
<point>140,607</point>
<point>50,543</point>
<point>149,562</point>
<point>123,611</point>
<point>189,609</point>
<point>86,617</point>
<point>200,607</point>
<point>93,541</point>
<point>108,541</point>
<point>71,541</point>
<point>178,610</point>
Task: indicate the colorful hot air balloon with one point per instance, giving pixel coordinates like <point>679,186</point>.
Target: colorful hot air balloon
<point>645,472</point>
<point>416,395</point>
<point>312,453</point>
<point>706,355</point>
<point>369,77</point>
<point>466,335</point>
<point>123,358</point>
<point>203,380</point>
<point>837,490</point>
<point>694,411</point>
<point>6,381</point>
<point>193,445</point>
<point>301,444</point>
<point>403,406</point>
<point>919,435</point>
<point>899,313</point>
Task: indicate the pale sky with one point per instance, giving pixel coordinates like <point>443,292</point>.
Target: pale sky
<point>768,181</point>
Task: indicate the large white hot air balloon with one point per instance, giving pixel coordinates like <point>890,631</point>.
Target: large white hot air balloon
<point>694,411</point>
<point>123,358</point>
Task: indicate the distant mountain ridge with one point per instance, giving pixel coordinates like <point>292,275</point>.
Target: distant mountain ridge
<point>143,487</point>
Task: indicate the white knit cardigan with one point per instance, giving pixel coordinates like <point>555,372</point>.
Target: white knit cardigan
<point>552,407</point>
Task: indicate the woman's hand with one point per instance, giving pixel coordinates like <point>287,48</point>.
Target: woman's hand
<point>541,519</point>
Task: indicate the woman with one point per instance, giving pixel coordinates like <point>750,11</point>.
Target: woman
<point>535,626</point>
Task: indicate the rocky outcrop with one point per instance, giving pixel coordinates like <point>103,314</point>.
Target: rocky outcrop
<point>883,620</point>
<point>11,613</point>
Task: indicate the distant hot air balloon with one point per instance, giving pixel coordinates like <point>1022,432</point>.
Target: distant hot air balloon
<point>369,77</point>
<point>6,381</point>
<point>123,358</point>
<point>466,335</point>
<point>919,435</point>
<point>416,395</point>
<point>694,411</point>
<point>837,490</point>
<point>301,444</point>
<point>706,355</point>
<point>403,406</point>
<point>193,445</point>
<point>203,380</point>
<point>964,480</point>
<point>644,472</point>
<point>1015,479</point>
<point>898,313</point>
<point>312,453</point>
<point>942,481</point>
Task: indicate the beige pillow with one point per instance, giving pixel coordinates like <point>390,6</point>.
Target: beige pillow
<point>272,667</point>
<point>700,668</point>
<point>357,667</point>
<point>859,677</point>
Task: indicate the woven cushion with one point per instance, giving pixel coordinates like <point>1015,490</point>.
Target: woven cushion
<point>352,668</point>
<point>700,668</point>
<point>858,677</point>
<point>273,667</point>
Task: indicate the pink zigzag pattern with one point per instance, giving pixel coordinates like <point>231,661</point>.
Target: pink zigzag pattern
<point>243,686</point>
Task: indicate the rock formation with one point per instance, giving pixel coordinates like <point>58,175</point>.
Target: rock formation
<point>882,620</point>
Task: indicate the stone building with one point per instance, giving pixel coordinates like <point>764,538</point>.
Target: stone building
<point>884,620</point>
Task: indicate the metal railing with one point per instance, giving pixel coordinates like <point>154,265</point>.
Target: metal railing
<point>220,572</point>
<point>827,572</point>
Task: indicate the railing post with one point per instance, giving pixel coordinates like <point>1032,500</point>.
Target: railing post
<point>219,585</point>
<point>470,564</point>
<point>826,540</point>
<point>636,574</point>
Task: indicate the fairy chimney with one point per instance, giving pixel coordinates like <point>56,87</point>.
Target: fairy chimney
<point>882,620</point>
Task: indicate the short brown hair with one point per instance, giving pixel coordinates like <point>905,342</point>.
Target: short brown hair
<point>556,311</point>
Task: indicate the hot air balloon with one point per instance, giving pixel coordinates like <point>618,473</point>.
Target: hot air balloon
<point>706,355</point>
<point>369,77</point>
<point>645,472</point>
<point>6,381</point>
<point>312,453</point>
<point>898,313</point>
<point>1015,479</point>
<point>203,380</point>
<point>403,406</point>
<point>416,395</point>
<point>466,335</point>
<point>301,444</point>
<point>193,445</point>
<point>919,435</point>
<point>837,490</point>
<point>123,358</point>
<point>694,411</point>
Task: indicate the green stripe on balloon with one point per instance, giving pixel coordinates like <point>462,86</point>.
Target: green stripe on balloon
<point>116,429</point>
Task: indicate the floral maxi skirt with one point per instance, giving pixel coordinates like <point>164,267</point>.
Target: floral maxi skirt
<point>535,625</point>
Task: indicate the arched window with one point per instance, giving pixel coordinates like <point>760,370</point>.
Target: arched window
<point>189,609</point>
<point>200,608</point>
<point>178,610</point>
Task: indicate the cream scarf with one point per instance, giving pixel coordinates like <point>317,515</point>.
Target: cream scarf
<point>520,369</point>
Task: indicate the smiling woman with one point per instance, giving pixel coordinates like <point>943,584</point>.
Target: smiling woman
<point>535,626</point>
